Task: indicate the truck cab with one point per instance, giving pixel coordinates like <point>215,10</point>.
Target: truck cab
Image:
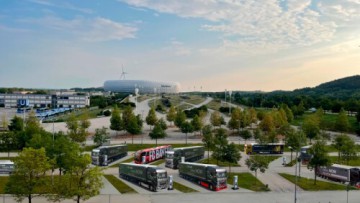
<point>95,156</point>
<point>217,177</point>
<point>169,159</point>
<point>161,178</point>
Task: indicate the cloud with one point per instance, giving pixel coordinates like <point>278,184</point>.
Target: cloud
<point>272,24</point>
<point>61,4</point>
<point>96,29</point>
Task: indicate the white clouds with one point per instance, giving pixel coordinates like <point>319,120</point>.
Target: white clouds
<point>61,4</point>
<point>97,29</point>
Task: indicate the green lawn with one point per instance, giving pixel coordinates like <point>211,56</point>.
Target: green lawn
<point>214,161</point>
<point>136,147</point>
<point>214,104</point>
<point>158,162</point>
<point>247,181</point>
<point>269,158</point>
<point>119,185</point>
<point>3,181</point>
<point>129,160</point>
<point>7,158</point>
<point>308,183</point>
<point>183,188</point>
<point>354,162</point>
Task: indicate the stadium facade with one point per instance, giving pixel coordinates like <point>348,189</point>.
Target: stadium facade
<point>143,86</point>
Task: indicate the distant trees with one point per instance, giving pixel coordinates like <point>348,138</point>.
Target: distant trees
<point>208,138</point>
<point>171,115</point>
<point>319,157</point>
<point>151,118</point>
<point>257,162</point>
<point>77,128</point>
<point>346,148</point>
<point>158,131</point>
<point>101,136</point>
<point>116,123</point>
<point>186,128</point>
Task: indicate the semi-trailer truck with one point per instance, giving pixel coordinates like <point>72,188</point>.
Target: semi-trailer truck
<point>206,175</point>
<point>104,155</point>
<point>173,157</point>
<point>154,177</point>
<point>340,173</point>
<point>150,154</point>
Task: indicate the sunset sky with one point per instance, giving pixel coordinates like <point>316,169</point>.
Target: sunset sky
<point>210,45</point>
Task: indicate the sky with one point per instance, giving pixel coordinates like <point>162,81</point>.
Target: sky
<point>205,45</point>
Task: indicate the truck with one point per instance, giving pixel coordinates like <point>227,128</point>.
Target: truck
<point>207,175</point>
<point>104,155</point>
<point>154,177</point>
<point>150,154</point>
<point>6,166</point>
<point>173,157</point>
<point>270,148</point>
<point>340,173</point>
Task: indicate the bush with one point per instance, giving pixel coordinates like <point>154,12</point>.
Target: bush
<point>107,113</point>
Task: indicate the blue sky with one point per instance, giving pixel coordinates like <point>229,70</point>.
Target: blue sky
<point>211,45</point>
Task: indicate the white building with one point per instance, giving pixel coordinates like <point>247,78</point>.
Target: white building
<point>48,100</point>
<point>143,86</point>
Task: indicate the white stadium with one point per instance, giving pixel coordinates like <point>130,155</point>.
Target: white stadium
<point>141,86</point>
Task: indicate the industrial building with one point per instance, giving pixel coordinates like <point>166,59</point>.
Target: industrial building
<point>56,100</point>
<point>141,86</point>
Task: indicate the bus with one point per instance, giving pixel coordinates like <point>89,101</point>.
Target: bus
<point>150,154</point>
<point>269,148</point>
<point>304,154</point>
<point>6,166</point>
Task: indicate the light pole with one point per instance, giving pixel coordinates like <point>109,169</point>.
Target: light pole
<point>296,175</point>
<point>347,191</point>
<point>230,92</point>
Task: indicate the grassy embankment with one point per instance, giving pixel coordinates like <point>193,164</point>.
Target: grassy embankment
<point>248,181</point>
<point>308,183</point>
<point>119,185</point>
<point>183,188</point>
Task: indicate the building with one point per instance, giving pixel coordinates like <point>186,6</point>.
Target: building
<point>57,100</point>
<point>142,86</point>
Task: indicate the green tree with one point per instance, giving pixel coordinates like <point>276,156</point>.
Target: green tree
<point>311,127</point>
<point>257,162</point>
<point>16,124</point>
<point>231,155</point>
<point>171,115</point>
<point>234,122</point>
<point>116,122</point>
<point>8,142</point>
<point>215,119</point>
<point>77,130</point>
<point>319,157</point>
<point>133,126</point>
<point>180,118</point>
<point>252,115</point>
<point>220,143</point>
<point>127,115</point>
<point>29,174</point>
<point>245,134</point>
<point>295,140</point>
<point>80,182</point>
<point>65,152</point>
<point>186,128</point>
<point>4,122</point>
<point>289,113</point>
<point>162,123</point>
<point>342,122</point>
<point>151,118</point>
<point>208,139</point>
<point>267,124</point>
<point>101,136</point>
<point>197,123</point>
<point>157,132</point>
<point>300,108</point>
<point>346,147</point>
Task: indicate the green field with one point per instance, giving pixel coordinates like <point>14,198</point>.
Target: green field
<point>219,163</point>
<point>248,181</point>
<point>183,188</point>
<point>353,162</point>
<point>3,181</point>
<point>129,160</point>
<point>308,183</point>
<point>119,185</point>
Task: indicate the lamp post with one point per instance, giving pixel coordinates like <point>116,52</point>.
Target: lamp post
<point>295,198</point>
<point>347,191</point>
<point>230,92</point>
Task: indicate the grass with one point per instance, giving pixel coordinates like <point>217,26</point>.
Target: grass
<point>183,188</point>
<point>327,121</point>
<point>119,185</point>
<point>129,160</point>
<point>214,104</point>
<point>92,112</point>
<point>291,163</point>
<point>247,181</point>
<point>219,163</point>
<point>352,162</point>
<point>7,158</point>
<point>308,183</point>
<point>158,162</point>
<point>3,181</point>
<point>136,147</point>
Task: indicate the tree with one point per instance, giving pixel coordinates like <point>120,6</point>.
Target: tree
<point>208,139</point>
<point>80,182</point>
<point>215,119</point>
<point>162,123</point>
<point>127,115</point>
<point>267,124</point>
<point>231,155</point>
<point>101,136</point>
<point>289,113</point>
<point>151,118</point>
<point>319,157</point>
<point>197,123</point>
<point>116,122</point>
<point>220,142</point>
<point>234,122</point>
<point>29,174</point>
<point>257,162</point>
<point>245,134</point>
<point>311,127</point>
<point>345,146</point>
<point>77,130</point>
<point>16,124</point>
<point>4,122</point>
<point>8,142</point>
<point>133,126</point>
<point>295,140</point>
<point>180,118</point>
<point>157,132</point>
<point>171,115</point>
<point>342,122</point>
<point>186,128</point>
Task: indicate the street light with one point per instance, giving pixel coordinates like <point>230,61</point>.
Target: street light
<point>230,92</point>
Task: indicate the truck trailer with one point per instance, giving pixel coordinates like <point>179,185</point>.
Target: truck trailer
<point>154,177</point>
<point>206,175</point>
<point>104,155</point>
<point>340,173</point>
<point>173,157</point>
<point>150,154</point>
